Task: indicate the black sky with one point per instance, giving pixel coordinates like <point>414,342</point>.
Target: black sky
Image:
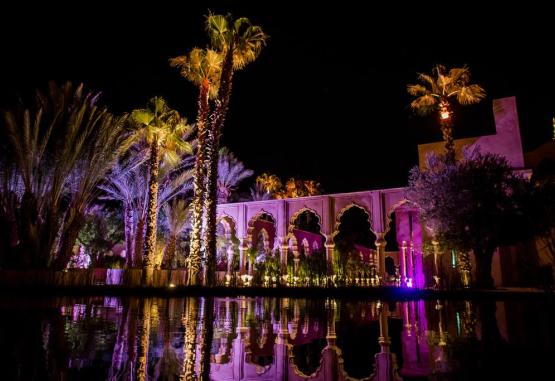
<point>325,100</point>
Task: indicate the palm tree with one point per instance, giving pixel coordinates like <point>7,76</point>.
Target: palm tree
<point>240,43</point>
<point>202,67</point>
<point>58,151</point>
<point>436,92</point>
<point>230,173</point>
<point>163,130</point>
<point>270,183</point>
<point>176,218</point>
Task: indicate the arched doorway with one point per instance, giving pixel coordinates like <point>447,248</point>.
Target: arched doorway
<point>262,259</point>
<point>306,262</point>
<point>356,257</point>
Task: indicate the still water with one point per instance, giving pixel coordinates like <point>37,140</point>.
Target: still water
<point>245,338</point>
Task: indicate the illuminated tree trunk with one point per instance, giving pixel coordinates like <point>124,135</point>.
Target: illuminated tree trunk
<point>68,239</point>
<point>139,240</point>
<point>199,182</point>
<point>169,254</point>
<point>152,216</point>
<point>446,125</point>
<point>129,236</point>
<point>216,124</point>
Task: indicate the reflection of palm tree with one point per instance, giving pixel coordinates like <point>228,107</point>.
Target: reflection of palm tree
<point>207,334</point>
<point>144,339</point>
<point>190,321</point>
<point>436,93</point>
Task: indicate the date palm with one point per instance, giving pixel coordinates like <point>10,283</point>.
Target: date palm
<point>163,130</point>
<point>202,67</point>
<point>436,92</point>
<point>230,173</point>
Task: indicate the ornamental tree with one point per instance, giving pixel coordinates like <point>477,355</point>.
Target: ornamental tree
<point>477,203</point>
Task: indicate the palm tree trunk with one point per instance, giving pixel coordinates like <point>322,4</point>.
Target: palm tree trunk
<point>129,235</point>
<point>69,236</point>
<point>169,254</point>
<point>217,122</point>
<point>152,216</point>
<point>139,240</point>
<point>446,125</point>
<point>199,181</point>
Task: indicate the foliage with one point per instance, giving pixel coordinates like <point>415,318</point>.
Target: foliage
<point>230,173</point>
<point>57,150</point>
<point>442,85</point>
<point>272,187</point>
<point>476,204</point>
<point>102,230</point>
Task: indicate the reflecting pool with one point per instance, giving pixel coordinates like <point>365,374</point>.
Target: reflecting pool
<point>245,338</point>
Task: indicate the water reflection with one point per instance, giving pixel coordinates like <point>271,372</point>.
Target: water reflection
<point>272,339</point>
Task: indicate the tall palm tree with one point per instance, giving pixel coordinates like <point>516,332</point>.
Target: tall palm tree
<point>240,43</point>
<point>230,173</point>
<point>436,92</point>
<point>163,130</point>
<point>202,67</point>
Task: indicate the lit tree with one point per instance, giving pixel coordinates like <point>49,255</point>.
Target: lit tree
<point>128,184</point>
<point>269,183</point>
<point>163,130</point>
<point>230,173</point>
<point>436,92</point>
<point>240,43</point>
<point>55,153</point>
<point>202,67</point>
<point>475,204</point>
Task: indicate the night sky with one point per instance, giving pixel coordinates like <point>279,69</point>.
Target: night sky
<point>326,99</point>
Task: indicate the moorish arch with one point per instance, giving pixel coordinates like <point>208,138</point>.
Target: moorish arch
<point>226,243</point>
<point>305,227</point>
<point>261,238</point>
<point>355,243</point>
<point>405,228</point>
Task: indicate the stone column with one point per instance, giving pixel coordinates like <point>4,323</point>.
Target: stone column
<point>403,262</point>
<point>230,253</point>
<point>410,264</point>
<point>329,246</point>
<point>242,255</point>
<point>380,248</point>
<point>283,250</point>
<point>437,275</point>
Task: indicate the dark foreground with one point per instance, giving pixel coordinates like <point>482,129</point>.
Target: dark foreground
<point>377,334</point>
